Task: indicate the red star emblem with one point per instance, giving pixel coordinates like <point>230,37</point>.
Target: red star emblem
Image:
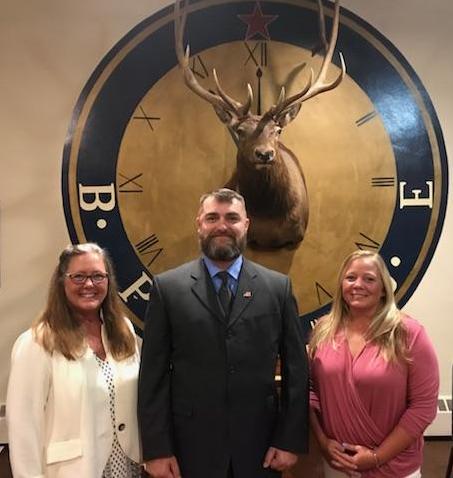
<point>257,23</point>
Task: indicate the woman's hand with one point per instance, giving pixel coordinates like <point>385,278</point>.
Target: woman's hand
<point>338,457</point>
<point>364,458</point>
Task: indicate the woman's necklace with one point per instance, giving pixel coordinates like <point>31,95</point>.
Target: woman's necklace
<point>92,332</point>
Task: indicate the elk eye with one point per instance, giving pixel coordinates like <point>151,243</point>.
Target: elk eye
<point>240,132</point>
<point>278,130</point>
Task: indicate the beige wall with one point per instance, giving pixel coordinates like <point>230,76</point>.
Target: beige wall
<point>49,48</point>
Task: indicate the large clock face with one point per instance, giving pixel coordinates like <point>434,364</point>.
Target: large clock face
<point>142,148</point>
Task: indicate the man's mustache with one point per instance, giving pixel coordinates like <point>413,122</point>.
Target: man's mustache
<point>223,234</point>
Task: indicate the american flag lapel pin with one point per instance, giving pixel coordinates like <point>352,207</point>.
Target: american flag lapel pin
<point>247,294</point>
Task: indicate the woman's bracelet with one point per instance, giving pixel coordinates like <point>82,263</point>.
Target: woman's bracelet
<point>376,459</point>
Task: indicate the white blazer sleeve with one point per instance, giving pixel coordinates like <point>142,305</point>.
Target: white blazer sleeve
<point>28,388</point>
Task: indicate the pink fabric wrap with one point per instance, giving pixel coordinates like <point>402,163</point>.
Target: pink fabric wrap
<point>362,399</point>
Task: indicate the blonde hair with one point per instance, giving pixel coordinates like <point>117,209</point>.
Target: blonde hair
<point>386,329</point>
<point>56,328</point>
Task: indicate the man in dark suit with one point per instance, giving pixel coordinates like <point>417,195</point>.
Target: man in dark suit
<point>208,402</point>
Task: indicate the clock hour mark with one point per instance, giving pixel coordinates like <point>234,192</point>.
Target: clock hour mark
<point>395,261</point>
<point>382,181</point>
<point>130,185</point>
<point>258,54</point>
<point>146,118</point>
<point>147,248</point>
<point>257,22</point>
<point>364,119</point>
<point>371,244</point>
<point>322,293</point>
<point>201,72</point>
<point>101,223</point>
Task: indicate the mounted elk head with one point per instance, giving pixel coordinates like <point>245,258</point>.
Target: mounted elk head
<point>267,174</point>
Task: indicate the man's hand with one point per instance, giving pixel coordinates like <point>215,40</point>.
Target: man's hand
<point>163,468</point>
<point>279,460</point>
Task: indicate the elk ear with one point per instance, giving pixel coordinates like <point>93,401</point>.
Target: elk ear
<point>227,117</point>
<point>288,115</point>
<point>230,120</point>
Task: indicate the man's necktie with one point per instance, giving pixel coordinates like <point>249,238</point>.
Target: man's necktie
<point>224,293</point>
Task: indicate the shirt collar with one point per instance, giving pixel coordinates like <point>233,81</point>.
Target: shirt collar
<point>234,269</point>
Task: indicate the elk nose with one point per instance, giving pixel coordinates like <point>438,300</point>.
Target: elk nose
<point>265,156</point>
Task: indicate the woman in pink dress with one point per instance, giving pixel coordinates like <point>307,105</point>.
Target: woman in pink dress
<point>375,378</point>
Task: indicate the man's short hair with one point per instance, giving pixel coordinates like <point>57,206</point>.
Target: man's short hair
<point>223,195</point>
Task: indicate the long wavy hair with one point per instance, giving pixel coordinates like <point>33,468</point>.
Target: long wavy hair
<point>57,329</point>
<point>386,329</point>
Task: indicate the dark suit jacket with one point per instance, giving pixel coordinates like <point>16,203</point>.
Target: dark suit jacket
<point>207,392</point>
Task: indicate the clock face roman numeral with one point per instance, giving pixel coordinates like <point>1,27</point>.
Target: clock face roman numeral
<point>365,242</point>
<point>257,54</point>
<point>382,181</point>
<point>198,67</point>
<point>130,185</point>
<point>364,119</point>
<point>322,294</point>
<point>149,247</point>
<point>143,116</point>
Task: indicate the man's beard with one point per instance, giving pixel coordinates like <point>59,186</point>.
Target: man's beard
<point>223,252</point>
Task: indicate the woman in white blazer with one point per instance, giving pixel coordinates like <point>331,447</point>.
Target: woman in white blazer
<point>72,392</point>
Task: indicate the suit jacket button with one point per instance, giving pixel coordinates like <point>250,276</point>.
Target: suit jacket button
<point>232,369</point>
<point>121,427</point>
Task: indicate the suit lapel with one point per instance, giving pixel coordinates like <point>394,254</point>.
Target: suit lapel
<point>203,288</point>
<point>246,292</point>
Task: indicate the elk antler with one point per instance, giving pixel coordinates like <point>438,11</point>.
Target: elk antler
<point>319,85</point>
<point>220,101</point>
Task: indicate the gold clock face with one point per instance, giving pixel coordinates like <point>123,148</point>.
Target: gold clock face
<point>142,148</point>
<point>189,152</point>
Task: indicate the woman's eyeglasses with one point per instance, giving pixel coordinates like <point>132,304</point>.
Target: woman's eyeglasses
<point>78,278</point>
